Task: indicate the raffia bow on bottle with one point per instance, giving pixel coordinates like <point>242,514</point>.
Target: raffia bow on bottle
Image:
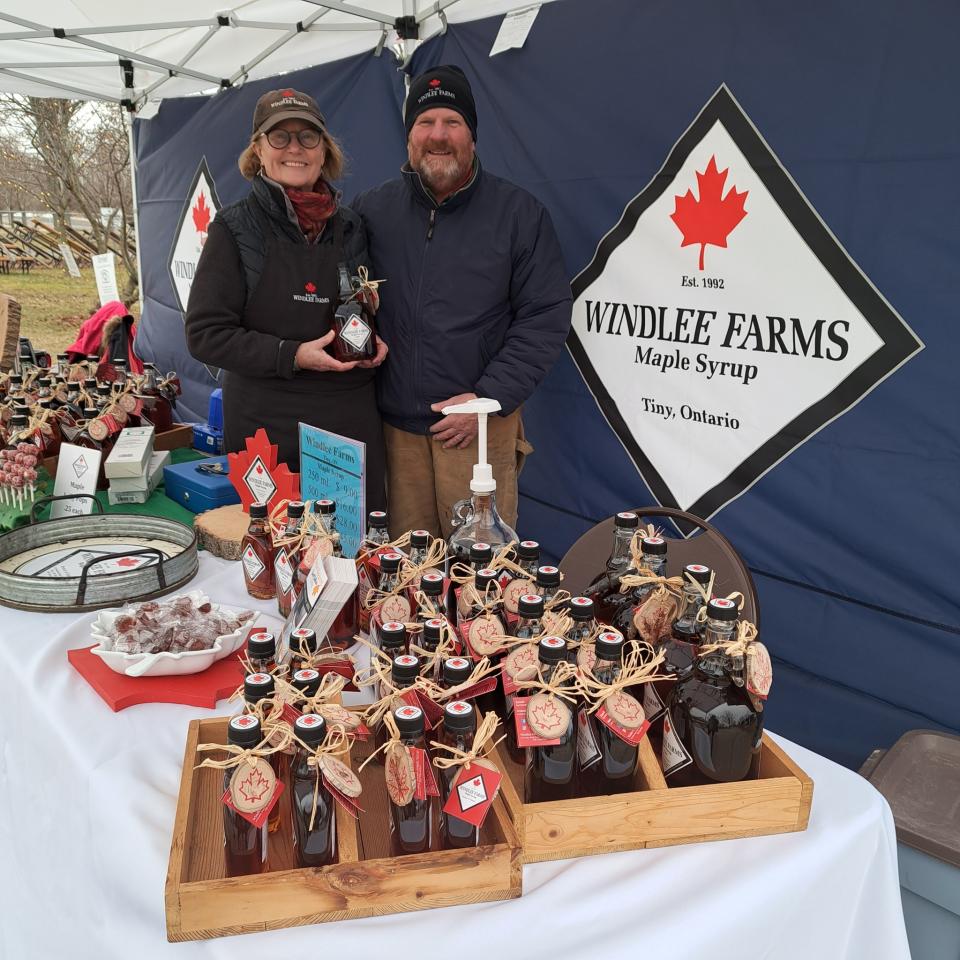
<point>562,684</point>
<point>329,691</point>
<point>315,659</point>
<point>639,667</point>
<point>447,646</point>
<point>39,423</point>
<point>654,614</point>
<point>737,597</point>
<point>335,744</point>
<point>312,531</point>
<point>366,290</point>
<point>398,767</point>
<point>466,578</point>
<point>744,649</point>
<point>481,671</point>
<point>379,674</point>
<point>406,576</point>
<point>435,555</point>
<point>480,749</point>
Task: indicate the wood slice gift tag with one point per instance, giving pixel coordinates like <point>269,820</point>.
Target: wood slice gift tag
<point>547,716</point>
<point>654,617</point>
<point>625,716</point>
<point>759,673</point>
<point>514,590</point>
<point>399,775</point>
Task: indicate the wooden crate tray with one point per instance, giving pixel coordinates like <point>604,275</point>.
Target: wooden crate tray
<point>202,903</point>
<point>657,815</point>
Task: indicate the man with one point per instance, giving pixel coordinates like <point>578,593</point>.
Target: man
<point>476,303</point>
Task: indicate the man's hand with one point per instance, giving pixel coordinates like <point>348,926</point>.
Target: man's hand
<point>312,356</point>
<point>382,351</point>
<point>456,429</point>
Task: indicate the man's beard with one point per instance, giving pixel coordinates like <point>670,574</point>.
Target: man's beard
<point>441,172</point>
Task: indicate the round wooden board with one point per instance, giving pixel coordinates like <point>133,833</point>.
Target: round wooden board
<point>221,531</point>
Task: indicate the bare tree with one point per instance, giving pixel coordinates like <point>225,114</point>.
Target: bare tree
<point>77,161</point>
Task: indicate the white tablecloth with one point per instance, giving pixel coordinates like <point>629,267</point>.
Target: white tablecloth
<point>87,806</point>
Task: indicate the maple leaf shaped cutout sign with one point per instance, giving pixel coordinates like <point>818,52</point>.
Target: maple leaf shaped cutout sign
<point>710,219</point>
<point>201,214</point>
<point>286,483</point>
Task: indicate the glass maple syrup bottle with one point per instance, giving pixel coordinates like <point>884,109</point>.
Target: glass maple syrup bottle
<point>606,585</point>
<point>256,555</point>
<point>262,651</point>
<point>681,646</point>
<point>404,671</point>
<point>328,512</point>
<point>581,611</point>
<point>548,582</point>
<point>528,556</point>
<point>613,770</point>
<point>377,533</point>
<point>303,647</point>
<point>431,584</point>
<point>419,545</point>
<point>257,687</point>
<point>393,638</point>
<point>157,408</point>
<point>712,730</point>
<point>429,641</point>
<point>654,551</point>
<point>306,681</point>
<point>245,846</point>
<point>530,611</point>
<point>316,846</point>
<point>459,726</point>
<point>293,525</point>
<point>411,825</point>
<point>480,555</point>
<point>455,670</point>
<point>551,772</point>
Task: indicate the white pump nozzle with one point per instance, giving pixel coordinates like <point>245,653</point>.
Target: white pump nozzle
<point>482,481</point>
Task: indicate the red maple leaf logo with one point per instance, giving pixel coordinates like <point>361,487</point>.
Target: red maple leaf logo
<point>201,214</point>
<point>254,786</point>
<point>434,82</point>
<point>127,562</point>
<point>310,287</point>
<point>710,219</point>
<point>287,93</point>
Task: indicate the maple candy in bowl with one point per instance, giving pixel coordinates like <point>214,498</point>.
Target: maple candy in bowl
<point>176,636</point>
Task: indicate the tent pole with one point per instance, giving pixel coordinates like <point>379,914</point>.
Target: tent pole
<point>136,217</point>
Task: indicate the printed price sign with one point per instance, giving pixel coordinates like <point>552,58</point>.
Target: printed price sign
<point>334,467</point>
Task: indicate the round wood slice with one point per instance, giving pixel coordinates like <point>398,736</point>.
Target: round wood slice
<point>221,531</point>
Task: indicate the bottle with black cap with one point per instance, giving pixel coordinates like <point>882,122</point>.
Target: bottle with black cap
<point>548,582</point>
<point>654,552</point>
<point>411,825</point>
<point>607,583</point>
<point>306,681</point>
<point>258,687</point>
<point>528,556</point>
<point>456,670</point>
<point>480,555</point>
<point>607,762</point>
<point>404,671</point>
<point>245,846</point>
<point>551,772</point>
<point>581,611</point>
<point>286,559</point>
<point>459,726</point>
<point>393,638</point>
<point>93,365</point>
<point>429,640</point>
<point>530,609</point>
<point>377,532</point>
<point>712,730</point>
<point>316,845</point>
<point>681,646</point>
<point>303,647</point>
<point>431,585</point>
<point>419,545</point>
<point>256,555</point>
<point>262,651</point>
<point>328,513</point>
<point>389,571</point>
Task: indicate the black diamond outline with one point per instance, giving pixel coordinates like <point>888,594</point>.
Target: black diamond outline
<point>900,343</point>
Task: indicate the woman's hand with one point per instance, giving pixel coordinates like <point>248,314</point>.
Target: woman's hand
<point>382,351</point>
<point>312,356</point>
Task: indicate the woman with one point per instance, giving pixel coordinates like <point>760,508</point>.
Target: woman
<point>266,288</point>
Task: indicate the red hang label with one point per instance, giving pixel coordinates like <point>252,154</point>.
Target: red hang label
<point>290,714</point>
<point>426,783</point>
<point>343,668</point>
<point>525,736</point>
<point>348,803</point>
<point>473,793</point>
<point>432,714</point>
<point>633,737</point>
<point>259,818</point>
<point>487,685</point>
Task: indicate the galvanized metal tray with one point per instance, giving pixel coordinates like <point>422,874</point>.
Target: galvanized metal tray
<point>99,560</point>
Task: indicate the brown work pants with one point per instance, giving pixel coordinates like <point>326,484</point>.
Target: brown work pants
<point>424,480</point>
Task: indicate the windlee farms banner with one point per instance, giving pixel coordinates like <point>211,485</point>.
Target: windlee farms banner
<point>720,324</point>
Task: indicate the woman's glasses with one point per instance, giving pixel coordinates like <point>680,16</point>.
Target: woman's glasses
<point>308,138</point>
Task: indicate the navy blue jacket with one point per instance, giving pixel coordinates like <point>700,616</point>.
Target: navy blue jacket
<point>476,300</point>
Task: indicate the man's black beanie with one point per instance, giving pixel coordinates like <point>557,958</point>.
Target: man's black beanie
<point>445,86</point>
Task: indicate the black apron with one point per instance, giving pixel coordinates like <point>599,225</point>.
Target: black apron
<point>288,302</point>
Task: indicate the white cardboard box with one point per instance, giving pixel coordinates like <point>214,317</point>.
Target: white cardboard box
<point>139,489</point>
<point>131,453</point>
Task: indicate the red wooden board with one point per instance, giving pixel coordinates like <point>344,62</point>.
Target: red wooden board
<point>195,689</point>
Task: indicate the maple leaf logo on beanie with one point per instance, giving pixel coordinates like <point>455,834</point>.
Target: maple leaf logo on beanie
<point>434,82</point>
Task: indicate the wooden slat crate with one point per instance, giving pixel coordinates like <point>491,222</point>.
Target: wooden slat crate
<point>656,815</point>
<point>202,903</point>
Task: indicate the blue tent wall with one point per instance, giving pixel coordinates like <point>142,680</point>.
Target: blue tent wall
<point>851,537</point>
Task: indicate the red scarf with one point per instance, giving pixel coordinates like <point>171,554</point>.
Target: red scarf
<point>313,208</point>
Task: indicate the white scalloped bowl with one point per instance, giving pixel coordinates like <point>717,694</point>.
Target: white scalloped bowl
<point>165,664</point>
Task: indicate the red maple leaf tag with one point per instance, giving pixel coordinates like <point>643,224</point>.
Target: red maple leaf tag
<point>310,287</point>
<point>710,219</point>
<point>201,214</point>
<point>286,485</point>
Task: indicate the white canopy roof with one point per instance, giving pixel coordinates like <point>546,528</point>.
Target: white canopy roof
<point>74,48</point>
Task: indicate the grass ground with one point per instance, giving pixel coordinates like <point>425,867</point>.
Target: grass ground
<point>53,304</point>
